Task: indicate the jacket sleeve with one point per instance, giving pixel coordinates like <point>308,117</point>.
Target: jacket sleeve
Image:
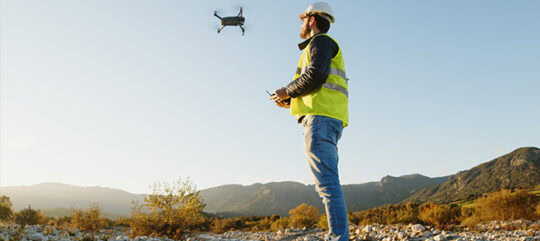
<point>322,50</point>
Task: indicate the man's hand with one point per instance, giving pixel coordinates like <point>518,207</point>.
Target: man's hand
<point>283,104</point>
<point>279,97</point>
<point>281,93</point>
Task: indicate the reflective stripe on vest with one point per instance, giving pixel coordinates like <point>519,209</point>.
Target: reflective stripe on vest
<point>332,86</point>
<point>334,71</point>
<point>336,87</point>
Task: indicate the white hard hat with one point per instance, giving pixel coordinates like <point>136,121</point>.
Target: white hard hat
<point>321,8</point>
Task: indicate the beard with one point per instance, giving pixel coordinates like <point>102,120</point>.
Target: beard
<point>304,32</point>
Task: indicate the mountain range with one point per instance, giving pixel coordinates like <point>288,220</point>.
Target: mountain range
<point>518,169</point>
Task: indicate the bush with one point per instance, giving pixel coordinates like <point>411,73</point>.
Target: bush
<point>91,220</point>
<point>171,210</point>
<point>304,216</point>
<point>440,215</point>
<point>280,223</point>
<point>6,211</point>
<point>59,222</point>
<point>264,224</point>
<point>29,216</point>
<point>503,205</point>
<point>390,214</point>
<point>323,222</point>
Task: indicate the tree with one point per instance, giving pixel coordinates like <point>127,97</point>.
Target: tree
<point>6,211</point>
<point>304,216</point>
<point>91,220</point>
<point>29,216</point>
<point>171,210</point>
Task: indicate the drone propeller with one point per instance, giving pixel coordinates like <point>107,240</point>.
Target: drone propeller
<point>217,12</point>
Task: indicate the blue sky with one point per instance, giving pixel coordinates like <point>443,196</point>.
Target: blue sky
<point>124,93</point>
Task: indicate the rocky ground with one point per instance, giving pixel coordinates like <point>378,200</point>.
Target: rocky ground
<point>521,230</point>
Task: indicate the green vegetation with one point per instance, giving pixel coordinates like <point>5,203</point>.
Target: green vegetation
<point>323,222</point>
<point>29,216</point>
<point>304,216</point>
<point>90,220</point>
<point>173,210</point>
<point>170,211</point>
<point>440,215</point>
<point>390,214</point>
<point>502,205</point>
<point>6,211</point>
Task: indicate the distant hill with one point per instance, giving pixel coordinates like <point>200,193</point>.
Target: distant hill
<point>518,169</point>
<point>52,197</point>
<point>280,197</point>
<point>514,170</point>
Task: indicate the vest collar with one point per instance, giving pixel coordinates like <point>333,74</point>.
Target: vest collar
<point>305,43</point>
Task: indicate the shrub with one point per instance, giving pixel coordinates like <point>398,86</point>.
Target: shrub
<point>171,210</point>
<point>29,216</point>
<point>304,216</point>
<point>6,211</point>
<point>90,220</point>
<point>59,222</point>
<point>503,205</point>
<point>280,223</point>
<point>323,222</point>
<point>264,224</point>
<point>390,214</point>
<point>227,224</point>
<point>440,215</point>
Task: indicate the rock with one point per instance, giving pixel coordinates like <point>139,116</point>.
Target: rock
<point>141,238</point>
<point>401,235</point>
<point>426,234</point>
<point>418,228</point>
<point>439,237</point>
<point>310,238</point>
<point>36,237</point>
<point>367,229</point>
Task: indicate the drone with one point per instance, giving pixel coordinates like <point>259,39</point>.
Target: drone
<point>232,21</point>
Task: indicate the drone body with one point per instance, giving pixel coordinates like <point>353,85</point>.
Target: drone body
<point>232,21</point>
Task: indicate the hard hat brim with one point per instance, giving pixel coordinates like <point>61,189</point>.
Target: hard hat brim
<point>322,14</point>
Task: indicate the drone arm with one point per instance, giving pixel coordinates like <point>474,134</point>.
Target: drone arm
<point>243,30</point>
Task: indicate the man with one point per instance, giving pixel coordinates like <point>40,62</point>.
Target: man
<point>318,98</point>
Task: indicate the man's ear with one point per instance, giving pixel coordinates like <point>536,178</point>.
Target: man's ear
<point>312,21</point>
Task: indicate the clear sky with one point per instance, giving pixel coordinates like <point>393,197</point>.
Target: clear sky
<point>126,93</point>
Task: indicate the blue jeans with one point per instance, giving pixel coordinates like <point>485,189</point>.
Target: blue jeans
<point>321,135</point>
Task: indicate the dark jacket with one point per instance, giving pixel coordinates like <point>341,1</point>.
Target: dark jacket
<point>322,49</point>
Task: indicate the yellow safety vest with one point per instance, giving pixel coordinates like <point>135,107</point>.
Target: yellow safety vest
<point>332,98</point>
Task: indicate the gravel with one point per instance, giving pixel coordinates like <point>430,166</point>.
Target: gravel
<point>518,230</point>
